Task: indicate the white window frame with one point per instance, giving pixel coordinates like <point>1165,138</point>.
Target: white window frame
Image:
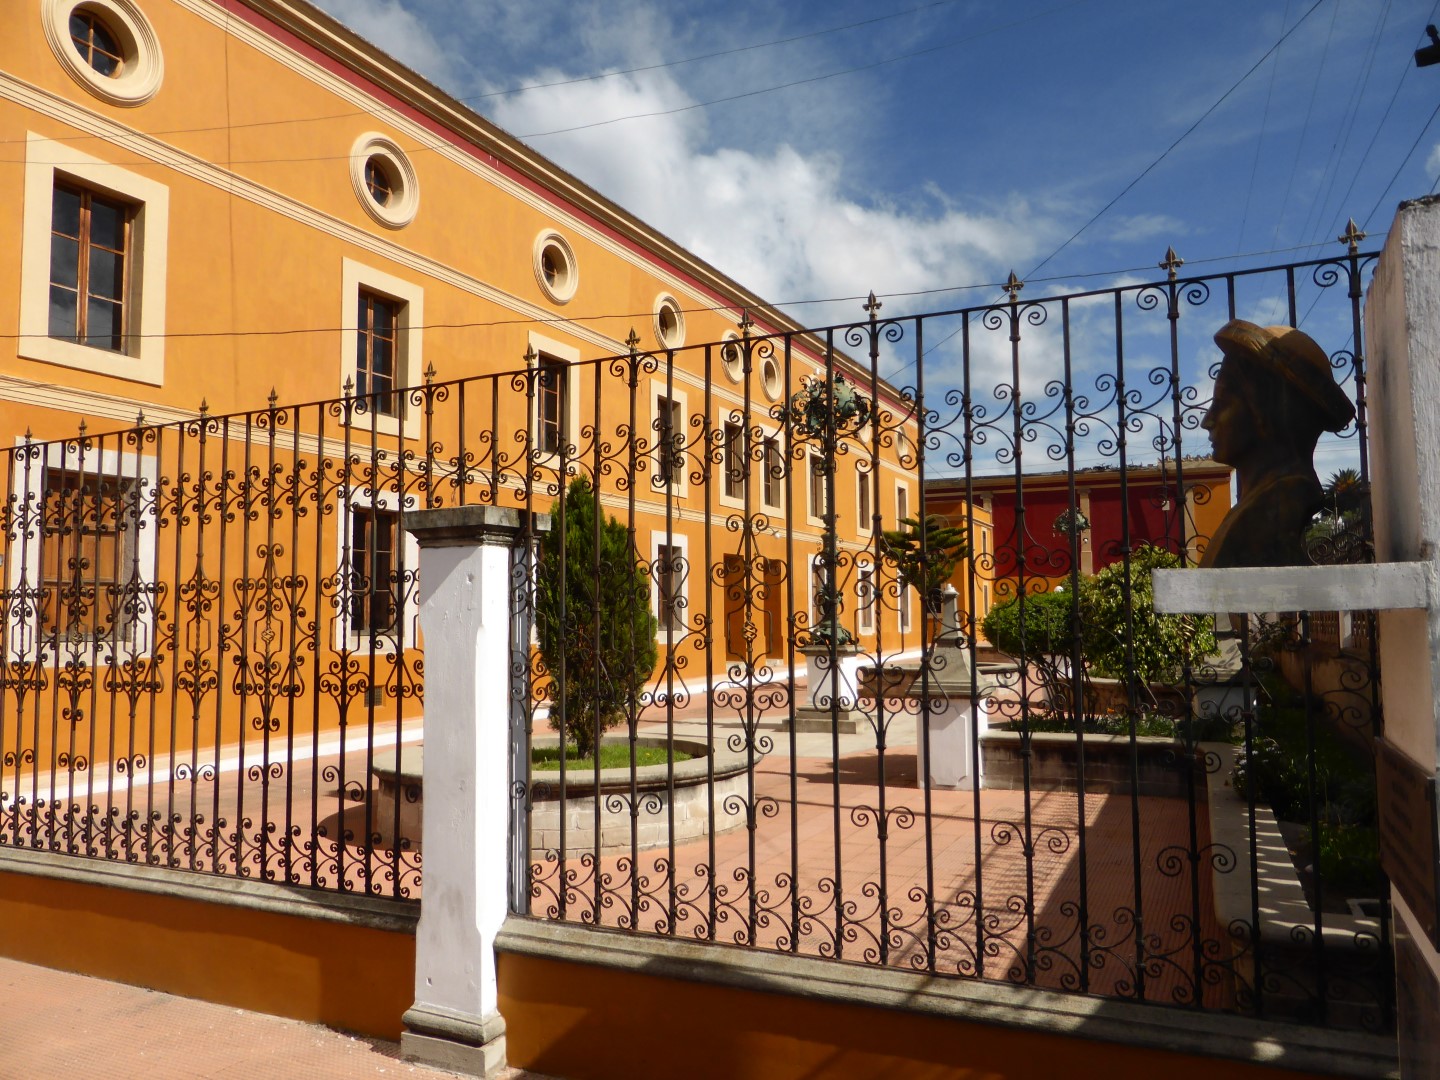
<point>25,636</point>
<point>865,603</point>
<point>865,478</point>
<point>778,506</point>
<point>409,342</point>
<point>569,355</point>
<point>659,481</point>
<point>360,499</point>
<point>904,617</point>
<point>811,479</point>
<point>723,422</point>
<point>658,539</point>
<point>143,358</point>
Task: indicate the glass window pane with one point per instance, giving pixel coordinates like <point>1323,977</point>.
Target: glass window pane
<point>62,313</point>
<point>107,268</point>
<point>65,214</point>
<point>384,317</point>
<point>380,359</point>
<point>102,324</point>
<point>102,62</point>
<point>107,225</point>
<point>64,261</point>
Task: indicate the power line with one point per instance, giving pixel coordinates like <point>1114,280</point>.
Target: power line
<point>559,320</point>
<point>811,79</point>
<point>1149,168</point>
<point>1400,168</point>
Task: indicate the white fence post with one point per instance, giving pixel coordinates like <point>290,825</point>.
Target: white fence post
<point>1402,329</point>
<point>471,558</point>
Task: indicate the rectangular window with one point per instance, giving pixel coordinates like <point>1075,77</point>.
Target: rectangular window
<point>87,555</point>
<point>865,595</point>
<point>375,353</point>
<point>865,481</point>
<point>374,579</point>
<point>552,404</point>
<point>819,501</point>
<point>818,579</point>
<point>670,440</point>
<point>735,464</point>
<point>89,267</point>
<point>670,579</point>
<point>774,472</point>
<point>902,505</point>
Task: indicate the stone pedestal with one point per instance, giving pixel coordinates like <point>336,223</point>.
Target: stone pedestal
<point>832,695</point>
<point>468,567</point>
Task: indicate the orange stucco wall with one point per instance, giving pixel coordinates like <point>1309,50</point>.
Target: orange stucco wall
<point>349,977</point>
<point>589,1023</point>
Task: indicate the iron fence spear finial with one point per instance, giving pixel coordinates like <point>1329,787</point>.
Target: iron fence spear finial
<point>1351,237</point>
<point>1171,262</point>
<point>1013,286</point>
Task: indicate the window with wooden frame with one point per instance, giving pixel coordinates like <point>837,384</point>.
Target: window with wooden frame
<point>95,42</point>
<point>819,496</point>
<point>375,597</point>
<point>736,444</point>
<point>376,352</point>
<point>864,506</point>
<point>670,579</point>
<point>865,595</point>
<point>89,267</point>
<point>669,441</point>
<point>552,404</point>
<point>773,474</point>
<point>87,555</point>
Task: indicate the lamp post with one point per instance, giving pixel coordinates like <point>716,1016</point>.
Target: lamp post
<point>822,413</point>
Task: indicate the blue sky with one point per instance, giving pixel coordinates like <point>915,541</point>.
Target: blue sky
<point>977,138</point>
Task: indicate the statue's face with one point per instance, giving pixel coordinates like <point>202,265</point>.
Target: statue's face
<point>1231,421</point>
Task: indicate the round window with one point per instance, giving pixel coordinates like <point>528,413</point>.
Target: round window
<point>107,46</point>
<point>384,180</point>
<point>770,378</point>
<point>669,323</point>
<point>555,268</point>
<point>732,358</point>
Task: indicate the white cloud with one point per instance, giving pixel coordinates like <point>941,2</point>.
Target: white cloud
<point>391,27</point>
<point>781,222</point>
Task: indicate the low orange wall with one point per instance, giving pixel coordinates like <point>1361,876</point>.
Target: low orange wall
<point>589,1023</point>
<point>350,977</point>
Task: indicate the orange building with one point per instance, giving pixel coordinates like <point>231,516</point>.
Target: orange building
<point>225,209</point>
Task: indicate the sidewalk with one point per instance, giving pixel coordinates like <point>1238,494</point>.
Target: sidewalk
<point>58,1026</point>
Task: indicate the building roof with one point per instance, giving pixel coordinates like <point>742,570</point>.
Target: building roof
<point>1205,468</point>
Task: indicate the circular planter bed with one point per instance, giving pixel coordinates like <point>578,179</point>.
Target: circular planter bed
<point>651,791</point>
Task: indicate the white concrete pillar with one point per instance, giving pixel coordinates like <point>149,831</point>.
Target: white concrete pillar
<point>467,576</point>
<point>1402,327</point>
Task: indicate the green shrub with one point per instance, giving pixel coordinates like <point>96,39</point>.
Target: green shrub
<point>1158,644</point>
<point>595,625</point>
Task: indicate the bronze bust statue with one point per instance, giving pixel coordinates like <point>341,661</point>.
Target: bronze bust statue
<point>1274,396</point>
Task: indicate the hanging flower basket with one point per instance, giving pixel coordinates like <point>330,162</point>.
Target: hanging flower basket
<point>1071,523</point>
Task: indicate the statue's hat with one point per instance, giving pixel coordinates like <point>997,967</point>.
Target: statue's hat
<point>1295,357</point>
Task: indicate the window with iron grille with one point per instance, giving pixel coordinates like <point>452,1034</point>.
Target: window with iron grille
<point>375,597</point>
<point>89,267</point>
<point>375,353</point>
<point>551,404</point>
<point>87,555</point>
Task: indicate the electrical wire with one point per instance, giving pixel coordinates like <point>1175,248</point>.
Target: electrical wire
<point>559,320</point>
<point>1151,167</point>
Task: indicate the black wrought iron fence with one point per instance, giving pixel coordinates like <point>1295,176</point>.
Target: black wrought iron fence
<point>867,652</point>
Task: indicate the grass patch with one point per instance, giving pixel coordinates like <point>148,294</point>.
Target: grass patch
<point>612,756</point>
